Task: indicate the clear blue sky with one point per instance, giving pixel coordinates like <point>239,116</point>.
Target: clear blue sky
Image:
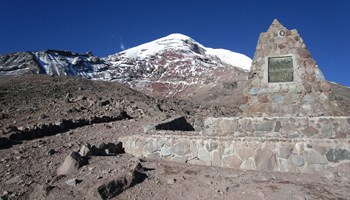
<point>102,26</point>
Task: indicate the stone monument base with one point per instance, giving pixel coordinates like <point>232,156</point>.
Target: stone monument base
<point>328,157</point>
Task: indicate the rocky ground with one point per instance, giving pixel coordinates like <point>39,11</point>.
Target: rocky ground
<point>44,119</point>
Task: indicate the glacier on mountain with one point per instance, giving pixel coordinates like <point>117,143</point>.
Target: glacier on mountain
<point>180,42</point>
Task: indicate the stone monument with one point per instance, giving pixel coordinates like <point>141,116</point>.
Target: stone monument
<point>290,122</point>
<point>285,79</point>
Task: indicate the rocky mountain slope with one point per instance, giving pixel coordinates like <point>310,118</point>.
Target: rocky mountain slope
<point>36,104</point>
<point>172,66</point>
<point>89,114</point>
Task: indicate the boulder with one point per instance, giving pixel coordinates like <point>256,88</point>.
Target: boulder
<point>134,165</point>
<point>122,182</point>
<point>111,148</point>
<point>73,182</point>
<point>71,163</point>
<point>113,187</point>
<point>86,150</point>
<point>115,148</point>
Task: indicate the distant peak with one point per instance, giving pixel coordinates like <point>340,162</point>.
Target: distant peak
<point>177,36</point>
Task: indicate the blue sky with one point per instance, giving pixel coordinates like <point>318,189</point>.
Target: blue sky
<point>105,26</point>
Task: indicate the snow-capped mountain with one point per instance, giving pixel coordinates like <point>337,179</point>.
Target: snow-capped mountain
<point>175,66</point>
<point>172,66</point>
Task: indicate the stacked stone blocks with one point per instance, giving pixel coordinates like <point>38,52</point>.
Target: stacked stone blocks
<point>300,155</point>
<point>283,127</point>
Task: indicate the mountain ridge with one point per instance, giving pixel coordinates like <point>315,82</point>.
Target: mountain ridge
<point>172,66</point>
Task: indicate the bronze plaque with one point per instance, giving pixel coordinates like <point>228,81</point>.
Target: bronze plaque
<point>280,69</point>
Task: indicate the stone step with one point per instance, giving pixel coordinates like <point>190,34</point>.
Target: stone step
<point>299,155</point>
<point>331,127</point>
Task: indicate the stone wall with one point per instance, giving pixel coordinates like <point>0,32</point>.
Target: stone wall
<point>328,157</point>
<point>307,95</point>
<point>282,127</point>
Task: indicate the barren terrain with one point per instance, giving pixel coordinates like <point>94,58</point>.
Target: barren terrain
<point>43,119</point>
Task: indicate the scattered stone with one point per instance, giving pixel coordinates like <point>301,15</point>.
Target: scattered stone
<point>171,181</point>
<point>43,116</point>
<point>86,150</point>
<point>71,163</point>
<point>115,148</point>
<point>104,103</point>
<point>51,152</point>
<point>73,182</point>
<point>112,188</point>
<point>40,192</point>
<point>110,148</point>
<point>135,165</point>
<point>68,98</point>
<point>16,152</point>
<point>17,179</point>
<point>3,116</point>
<point>115,186</point>
<point>5,195</point>
<point>148,128</point>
